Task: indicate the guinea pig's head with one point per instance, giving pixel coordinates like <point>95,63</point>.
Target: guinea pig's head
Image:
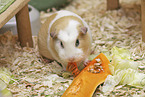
<point>71,43</point>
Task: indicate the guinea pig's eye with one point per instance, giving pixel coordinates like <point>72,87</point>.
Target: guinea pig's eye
<point>61,44</point>
<point>77,43</point>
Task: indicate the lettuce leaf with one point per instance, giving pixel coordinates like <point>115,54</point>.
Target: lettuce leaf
<point>121,59</point>
<point>5,75</point>
<point>5,93</point>
<point>3,85</point>
<point>5,78</point>
<point>111,81</point>
<point>124,71</point>
<point>121,53</point>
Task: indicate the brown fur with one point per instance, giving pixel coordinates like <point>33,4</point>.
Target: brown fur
<point>43,36</point>
<point>62,23</point>
<point>85,42</point>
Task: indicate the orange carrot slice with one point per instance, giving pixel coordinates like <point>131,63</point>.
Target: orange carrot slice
<point>72,67</point>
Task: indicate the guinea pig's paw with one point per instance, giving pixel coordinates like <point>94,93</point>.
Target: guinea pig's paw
<point>45,60</point>
<point>86,62</point>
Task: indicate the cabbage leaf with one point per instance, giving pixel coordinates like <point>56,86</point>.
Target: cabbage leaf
<point>124,71</point>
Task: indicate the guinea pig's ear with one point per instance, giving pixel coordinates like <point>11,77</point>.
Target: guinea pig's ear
<point>53,34</point>
<point>84,30</point>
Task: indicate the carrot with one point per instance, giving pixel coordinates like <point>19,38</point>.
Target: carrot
<point>72,67</point>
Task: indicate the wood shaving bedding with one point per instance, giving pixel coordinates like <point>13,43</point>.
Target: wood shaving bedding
<point>37,78</point>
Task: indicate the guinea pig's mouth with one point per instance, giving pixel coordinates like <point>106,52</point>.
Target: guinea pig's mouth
<point>75,59</point>
<point>71,60</point>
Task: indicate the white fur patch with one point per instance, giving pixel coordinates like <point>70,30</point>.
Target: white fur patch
<point>70,32</point>
<point>68,36</point>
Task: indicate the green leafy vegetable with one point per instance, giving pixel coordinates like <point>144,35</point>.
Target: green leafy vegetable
<point>121,59</point>
<point>124,71</point>
<point>5,78</point>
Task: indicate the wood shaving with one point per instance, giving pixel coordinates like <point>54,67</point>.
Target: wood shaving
<point>37,78</point>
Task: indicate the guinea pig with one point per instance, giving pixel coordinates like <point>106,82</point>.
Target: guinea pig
<point>65,37</point>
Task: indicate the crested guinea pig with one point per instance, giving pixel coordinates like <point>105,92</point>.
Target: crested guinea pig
<point>65,37</point>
